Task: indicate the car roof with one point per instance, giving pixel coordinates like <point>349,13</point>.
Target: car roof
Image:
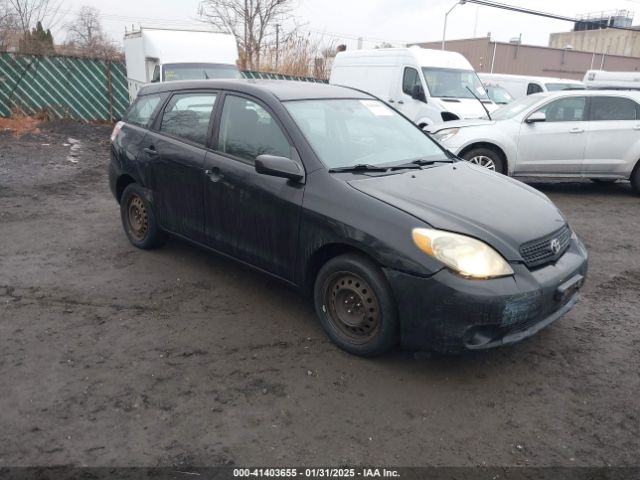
<point>282,89</point>
<point>589,93</point>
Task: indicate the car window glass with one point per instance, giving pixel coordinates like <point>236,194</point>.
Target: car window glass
<point>247,131</point>
<point>345,132</point>
<point>141,112</point>
<point>187,116</point>
<point>613,108</point>
<point>533,88</point>
<point>409,80</point>
<point>569,109</point>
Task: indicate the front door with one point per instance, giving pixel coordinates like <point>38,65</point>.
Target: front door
<point>411,107</point>
<point>250,216</point>
<point>176,149</point>
<point>557,145</point>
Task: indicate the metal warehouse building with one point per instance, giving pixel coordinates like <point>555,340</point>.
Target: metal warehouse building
<point>489,56</point>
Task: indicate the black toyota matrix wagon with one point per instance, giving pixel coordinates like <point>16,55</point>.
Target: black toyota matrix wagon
<point>332,191</point>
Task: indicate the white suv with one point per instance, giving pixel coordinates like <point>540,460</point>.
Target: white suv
<point>590,134</point>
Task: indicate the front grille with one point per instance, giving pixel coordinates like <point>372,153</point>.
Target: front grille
<point>538,253</point>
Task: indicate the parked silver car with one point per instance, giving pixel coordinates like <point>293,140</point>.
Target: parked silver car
<point>588,134</point>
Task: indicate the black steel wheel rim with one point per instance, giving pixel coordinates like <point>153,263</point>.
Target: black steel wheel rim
<point>137,218</point>
<point>352,307</point>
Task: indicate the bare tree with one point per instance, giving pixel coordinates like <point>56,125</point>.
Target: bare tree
<point>252,22</point>
<point>28,13</point>
<point>85,30</point>
<point>22,24</point>
<point>8,25</point>
<point>86,37</point>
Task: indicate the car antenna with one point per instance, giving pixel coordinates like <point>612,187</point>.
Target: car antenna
<point>477,98</point>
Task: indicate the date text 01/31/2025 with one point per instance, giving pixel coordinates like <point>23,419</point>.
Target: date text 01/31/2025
<point>315,473</point>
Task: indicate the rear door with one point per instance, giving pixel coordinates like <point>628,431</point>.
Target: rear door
<point>176,149</point>
<point>557,145</point>
<point>613,135</point>
<point>250,216</point>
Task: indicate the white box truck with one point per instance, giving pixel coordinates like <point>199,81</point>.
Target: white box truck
<point>161,55</point>
<point>428,86</point>
<point>523,85</point>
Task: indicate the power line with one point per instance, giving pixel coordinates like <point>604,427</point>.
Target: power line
<point>539,13</point>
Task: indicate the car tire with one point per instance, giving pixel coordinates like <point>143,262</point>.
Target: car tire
<point>635,179</point>
<point>487,158</point>
<point>139,220</point>
<point>354,303</point>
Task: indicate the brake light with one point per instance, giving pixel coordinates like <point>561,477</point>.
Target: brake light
<point>116,130</point>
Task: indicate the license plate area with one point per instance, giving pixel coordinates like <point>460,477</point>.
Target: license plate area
<point>565,291</point>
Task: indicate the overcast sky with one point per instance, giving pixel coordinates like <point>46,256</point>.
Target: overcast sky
<point>394,21</point>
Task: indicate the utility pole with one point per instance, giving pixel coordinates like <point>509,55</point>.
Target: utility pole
<point>444,29</point>
<point>277,44</point>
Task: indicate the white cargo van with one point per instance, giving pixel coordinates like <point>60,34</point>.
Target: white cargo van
<point>428,86</point>
<point>602,79</point>
<point>522,85</point>
<point>161,55</point>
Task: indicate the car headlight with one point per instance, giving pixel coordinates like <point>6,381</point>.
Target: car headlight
<point>445,134</point>
<point>465,255</point>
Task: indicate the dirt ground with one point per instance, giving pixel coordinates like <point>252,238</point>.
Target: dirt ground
<point>115,356</point>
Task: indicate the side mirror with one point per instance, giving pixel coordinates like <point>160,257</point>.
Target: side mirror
<point>536,117</point>
<point>282,167</point>
<point>417,93</point>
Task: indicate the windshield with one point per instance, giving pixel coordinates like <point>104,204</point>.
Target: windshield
<point>499,95</point>
<point>554,87</point>
<point>198,71</point>
<point>453,83</point>
<point>348,132</point>
<point>515,107</point>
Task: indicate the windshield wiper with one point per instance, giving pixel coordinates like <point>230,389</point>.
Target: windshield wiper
<point>481,104</point>
<point>418,163</point>
<point>360,167</point>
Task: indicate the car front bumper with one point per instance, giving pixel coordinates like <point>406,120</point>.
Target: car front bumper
<point>449,313</point>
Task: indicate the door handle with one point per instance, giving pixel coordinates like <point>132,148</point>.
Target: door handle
<point>214,174</point>
<point>150,151</point>
<point>576,130</point>
<point>636,127</point>
<point>390,100</point>
<point>401,102</point>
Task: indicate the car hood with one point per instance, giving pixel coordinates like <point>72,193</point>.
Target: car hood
<point>477,122</point>
<point>463,107</point>
<point>471,200</point>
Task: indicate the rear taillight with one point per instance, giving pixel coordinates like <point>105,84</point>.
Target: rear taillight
<point>116,131</point>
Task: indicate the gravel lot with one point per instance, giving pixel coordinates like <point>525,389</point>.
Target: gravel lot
<point>114,356</point>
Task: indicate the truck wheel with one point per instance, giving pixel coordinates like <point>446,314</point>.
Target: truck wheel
<point>138,219</point>
<point>354,303</point>
<point>486,158</point>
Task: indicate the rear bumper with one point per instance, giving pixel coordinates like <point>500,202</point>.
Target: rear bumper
<point>448,313</point>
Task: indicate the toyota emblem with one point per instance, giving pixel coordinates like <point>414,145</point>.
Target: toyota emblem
<point>555,246</point>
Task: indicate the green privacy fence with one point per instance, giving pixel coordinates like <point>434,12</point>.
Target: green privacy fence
<point>79,88</point>
<point>72,87</point>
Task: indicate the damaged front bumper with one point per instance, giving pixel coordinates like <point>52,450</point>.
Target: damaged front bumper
<point>449,313</point>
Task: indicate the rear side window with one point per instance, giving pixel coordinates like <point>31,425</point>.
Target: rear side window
<point>613,108</point>
<point>247,131</point>
<point>569,109</point>
<point>409,80</point>
<point>533,88</point>
<point>142,111</point>
<point>187,116</point>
